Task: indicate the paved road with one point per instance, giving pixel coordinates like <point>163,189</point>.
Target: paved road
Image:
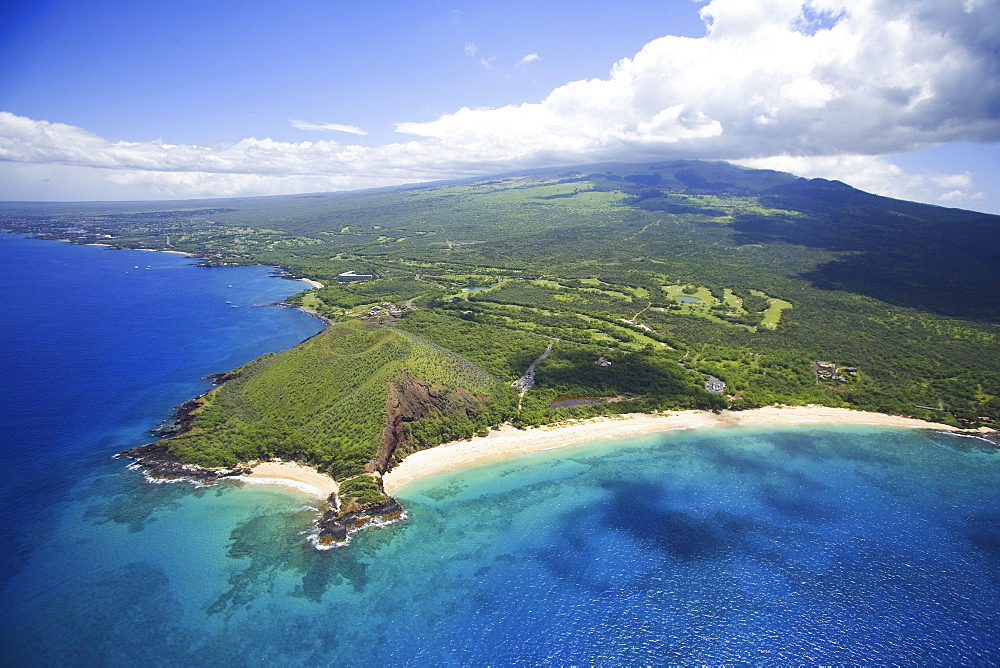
<point>527,381</point>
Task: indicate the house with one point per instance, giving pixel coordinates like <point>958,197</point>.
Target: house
<point>350,276</point>
<point>714,385</point>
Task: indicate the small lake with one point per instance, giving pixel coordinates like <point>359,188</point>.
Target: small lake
<point>686,299</point>
<point>573,401</point>
<point>474,289</point>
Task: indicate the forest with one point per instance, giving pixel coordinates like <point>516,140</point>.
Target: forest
<point>647,280</point>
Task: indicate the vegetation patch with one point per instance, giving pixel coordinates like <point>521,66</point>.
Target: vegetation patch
<point>594,257</point>
<point>755,311</point>
<point>326,402</point>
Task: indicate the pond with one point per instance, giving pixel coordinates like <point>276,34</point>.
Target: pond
<point>686,299</point>
<point>474,289</point>
<point>574,401</point>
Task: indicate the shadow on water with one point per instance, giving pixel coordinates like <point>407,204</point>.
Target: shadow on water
<point>638,510</point>
<point>790,502</point>
<point>819,446</point>
<point>776,474</point>
<point>983,531</point>
<point>730,459</point>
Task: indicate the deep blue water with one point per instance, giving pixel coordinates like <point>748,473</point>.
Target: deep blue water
<point>800,545</point>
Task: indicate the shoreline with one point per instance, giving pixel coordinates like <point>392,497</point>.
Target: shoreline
<point>291,475</point>
<point>509,441</point>
<point>162,250</point>
<point>309,311</point>
<point>145,250</point>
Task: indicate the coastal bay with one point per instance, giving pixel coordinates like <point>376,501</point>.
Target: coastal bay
<point>849,543</point>
<point>507,441</point>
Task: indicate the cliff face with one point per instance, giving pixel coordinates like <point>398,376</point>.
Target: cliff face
<point>409,399</point>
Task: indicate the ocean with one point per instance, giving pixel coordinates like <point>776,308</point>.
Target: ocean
<point>796,545</point>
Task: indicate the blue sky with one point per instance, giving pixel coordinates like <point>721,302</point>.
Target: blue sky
<point>145,100</point>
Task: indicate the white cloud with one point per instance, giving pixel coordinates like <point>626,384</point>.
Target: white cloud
<point>963,180</point>
<point>887,76</point>
<point>878,175</point>
<point>331,127</point>
<point>825,85</point>
<point>530,58</point>
<point>953,196</point>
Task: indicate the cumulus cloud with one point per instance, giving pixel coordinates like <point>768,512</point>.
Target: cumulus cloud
<point>878,175</point>
<point>963,180</point>
<point>882,76</point>
<point>821,86</point>
<point>251,166</point>
<point>330,127</point>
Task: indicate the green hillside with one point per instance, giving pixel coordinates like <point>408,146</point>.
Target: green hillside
<point>345,401</point>
<point>649,280</point>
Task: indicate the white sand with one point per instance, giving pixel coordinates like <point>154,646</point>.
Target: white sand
<point>294,476</point>
<point>157,250</point>
<point>508,441</point>
<point>311,283</point>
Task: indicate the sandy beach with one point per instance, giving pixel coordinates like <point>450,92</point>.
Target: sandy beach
<point>146,250</point>
<point>158,250</point>
<point>508,441</point>
<point>311,283</point>
<point>291,475</point>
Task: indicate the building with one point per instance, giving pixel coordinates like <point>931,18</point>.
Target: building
<point>350,276</point>
<point>714,385</point>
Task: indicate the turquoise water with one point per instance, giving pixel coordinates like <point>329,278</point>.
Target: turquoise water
<point>800,545</point>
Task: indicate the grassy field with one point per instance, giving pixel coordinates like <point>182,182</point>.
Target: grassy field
<point>730,309</point>
<point>786,271</point>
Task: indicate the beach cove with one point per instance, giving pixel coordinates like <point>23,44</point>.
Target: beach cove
<point>506,441</point>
